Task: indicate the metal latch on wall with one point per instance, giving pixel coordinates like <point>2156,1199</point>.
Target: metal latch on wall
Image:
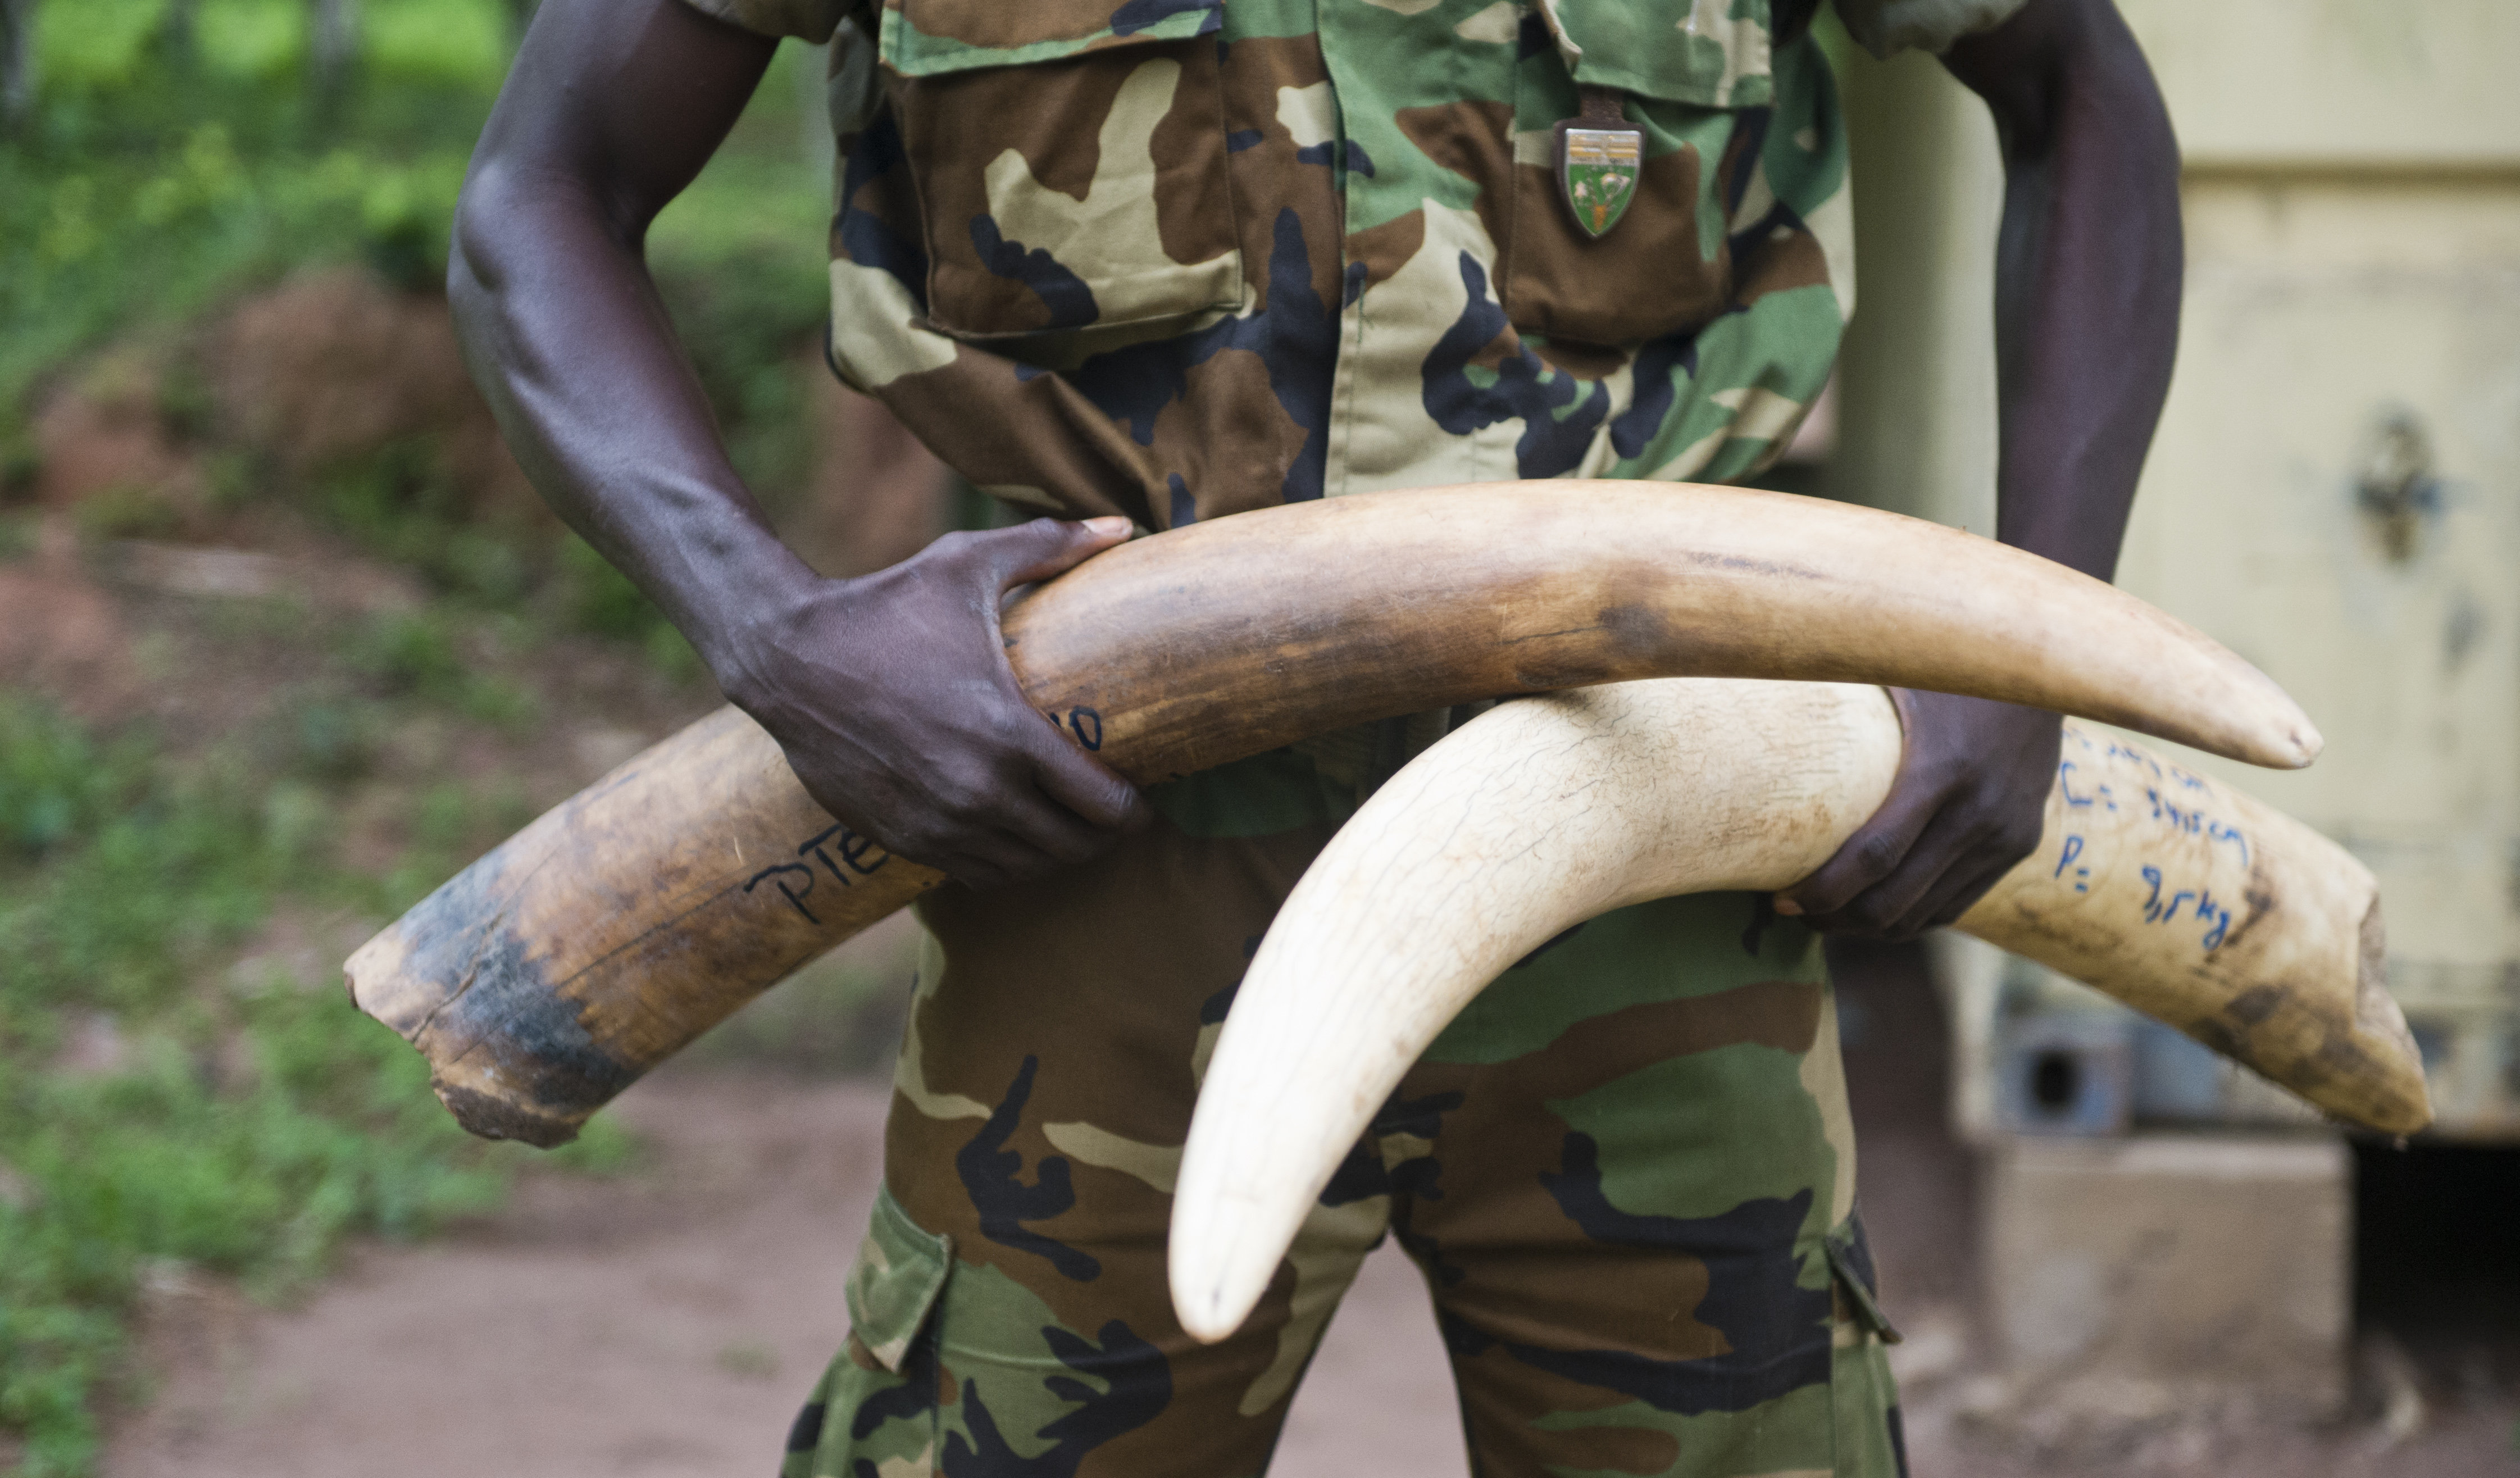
<point>2395,488</point>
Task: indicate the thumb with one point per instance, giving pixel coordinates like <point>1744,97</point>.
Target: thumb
<point>1044,547</point>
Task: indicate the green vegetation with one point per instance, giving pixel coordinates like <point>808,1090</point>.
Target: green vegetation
<point>164,1109</point>
<point>160,176</point>
<point>154,177</point>
<point>400,504</point>
<point>239,1121</point>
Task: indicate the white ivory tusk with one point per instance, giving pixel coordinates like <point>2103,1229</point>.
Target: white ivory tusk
<point>1550,811</point>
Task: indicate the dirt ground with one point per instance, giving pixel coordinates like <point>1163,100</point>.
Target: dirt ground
<point>2427,1401</point>
<point>667,1323</point>
<point>670,1322</point>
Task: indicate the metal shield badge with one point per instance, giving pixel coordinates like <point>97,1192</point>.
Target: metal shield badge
<point>1596,169</point>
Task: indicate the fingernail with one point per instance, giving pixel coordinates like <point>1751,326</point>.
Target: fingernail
<point>1787,906</point>
<point>1111,526</point>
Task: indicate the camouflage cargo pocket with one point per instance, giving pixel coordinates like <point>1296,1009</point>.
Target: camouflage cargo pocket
<point>1864,1398</point>
<point>876,1408</point>
<point>900,1271</point>
<point>1692,88</point>
<point>1069,159</point>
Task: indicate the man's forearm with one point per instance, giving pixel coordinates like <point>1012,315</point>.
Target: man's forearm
<point>2086,320</point>
<point>890,694</point>
<point>565,334</point>
<point>2088,273</point>
<point>570,345</point>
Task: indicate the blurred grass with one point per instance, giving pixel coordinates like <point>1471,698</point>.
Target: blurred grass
<point>244,1124</point>
<point>152,179</point>
<point>157,181</point>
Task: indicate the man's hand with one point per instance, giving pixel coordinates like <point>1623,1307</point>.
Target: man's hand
<point>1968,802</point>
<point>892,698</point>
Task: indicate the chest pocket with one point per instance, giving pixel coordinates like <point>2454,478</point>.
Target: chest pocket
<point>1696,77</point>
<point>1069,161</point>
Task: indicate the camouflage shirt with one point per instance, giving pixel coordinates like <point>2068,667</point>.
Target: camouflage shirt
<point>1183,258</point>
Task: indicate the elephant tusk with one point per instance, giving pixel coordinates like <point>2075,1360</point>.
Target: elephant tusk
<point>1540,814</point>
<point>619,926</point>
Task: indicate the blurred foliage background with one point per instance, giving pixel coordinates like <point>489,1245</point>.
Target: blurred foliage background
<point>284,636</point>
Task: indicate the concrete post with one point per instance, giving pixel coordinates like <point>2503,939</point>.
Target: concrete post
<point>2181,1267</point>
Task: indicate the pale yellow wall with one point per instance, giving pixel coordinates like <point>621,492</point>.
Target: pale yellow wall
<point>2314,311</point>
<point>2353,212</point>
<point>2296,82</point>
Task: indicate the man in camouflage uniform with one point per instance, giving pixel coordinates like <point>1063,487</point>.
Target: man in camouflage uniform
<point>1177,259</point>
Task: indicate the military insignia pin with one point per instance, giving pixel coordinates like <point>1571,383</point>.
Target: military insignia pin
<point>1598,157</point>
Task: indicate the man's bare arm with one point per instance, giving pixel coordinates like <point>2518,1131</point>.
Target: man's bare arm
<point>2088,274</point>
<point>891,693</point>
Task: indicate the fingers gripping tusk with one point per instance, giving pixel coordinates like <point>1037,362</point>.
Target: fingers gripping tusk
<point>1542,814</point>
<point>619,926</point>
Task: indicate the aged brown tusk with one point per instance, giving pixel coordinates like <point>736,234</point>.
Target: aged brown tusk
<point>614,931</point>
<point>2176,894</point>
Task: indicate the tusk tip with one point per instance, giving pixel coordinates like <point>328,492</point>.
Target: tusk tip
<point>2285,744</point>
<point>1213,1293</point>
<point>2297,750</point>
<point>1204,1317</point>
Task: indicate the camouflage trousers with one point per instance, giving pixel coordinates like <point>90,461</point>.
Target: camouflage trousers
<point>1627,1173</point>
